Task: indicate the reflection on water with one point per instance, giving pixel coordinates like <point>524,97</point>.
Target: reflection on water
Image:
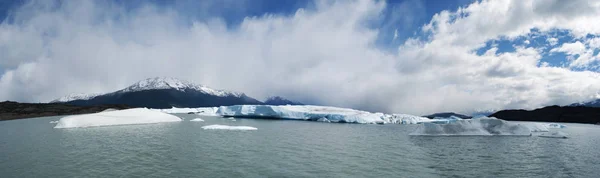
<point>32,148</point>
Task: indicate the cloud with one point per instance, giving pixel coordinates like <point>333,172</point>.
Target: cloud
<point>326,54</point>
<point>552,41</point>
<point>575,48</point>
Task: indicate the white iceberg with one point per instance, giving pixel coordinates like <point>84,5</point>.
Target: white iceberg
<point>197,120</point>
<point>557,134</point>
<point>53,122</point>
<point>536,127</point>
<point>405,119</point>
<point>323,120</point>
<point>318,113</point>
<point>120,117</point>
<point>473,127</point>
<point>305,112</point>
<point>227,127</point>
<point>205,111</point>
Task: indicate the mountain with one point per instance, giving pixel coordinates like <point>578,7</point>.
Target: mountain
<point>447,114</point>
<point>594,103</point>
<point>12,110</point>
<point>166,93</point>
<point>277,100</point>
<point>579,114</point>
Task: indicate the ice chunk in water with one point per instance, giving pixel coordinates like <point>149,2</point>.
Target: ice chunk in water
<point>197,120</point>
<point>473,127</point>
<point>227,127</point>
<point>557,134</point>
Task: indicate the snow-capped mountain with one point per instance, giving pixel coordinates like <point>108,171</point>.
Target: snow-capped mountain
<point>163,92</point>
<point>277,100</point>
<point>173,83</point>
<point>75,96</point>
<point>594,103</point>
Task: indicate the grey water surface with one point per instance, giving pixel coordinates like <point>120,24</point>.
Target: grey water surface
<point>33,148</point>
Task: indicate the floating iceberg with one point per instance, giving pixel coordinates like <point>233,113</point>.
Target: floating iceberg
<point>197,120</point>
<point>120,117</point>
<point>536,127</point>
<point>227,127</point>
<point>305,112</point>
<point>318,113</point>
<point>557,134</point>
<point>205,111</point>
<point>53,122</point>
<point>405,119</point>
<point>473,127</point>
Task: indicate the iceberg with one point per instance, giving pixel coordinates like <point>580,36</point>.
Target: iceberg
<point>204,111</point>
<point>227,127</point>
<point>197,120</point>
<point>473,127</point>
<point>304,112</point>
<point>557,134</point>
<point>405,119</point>
<point>536,127</point>
<point>120,117</point>
<point>318,113</point>
<point>53,122</point>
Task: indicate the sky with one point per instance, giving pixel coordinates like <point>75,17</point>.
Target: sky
<point>398,56</point>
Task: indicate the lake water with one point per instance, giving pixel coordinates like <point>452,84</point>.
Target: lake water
<point>32,148</point>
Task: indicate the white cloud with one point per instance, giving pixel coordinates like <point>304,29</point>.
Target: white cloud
<point>552,41</point>
<point>325,55</point>
<point>575,48</point>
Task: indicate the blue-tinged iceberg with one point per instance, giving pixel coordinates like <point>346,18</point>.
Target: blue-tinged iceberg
<point>203,111</point>
<point>473,127</point>
<point>120,117</point>
<point>305,112</point>
<point>406,119</point>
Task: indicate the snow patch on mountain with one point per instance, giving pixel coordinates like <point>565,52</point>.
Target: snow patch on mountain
<point>173,83</point>
<point>75,96</point>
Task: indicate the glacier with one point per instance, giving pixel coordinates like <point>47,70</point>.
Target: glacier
<point>227,127</point>
<point>120,117</point>
<point>473,127</point>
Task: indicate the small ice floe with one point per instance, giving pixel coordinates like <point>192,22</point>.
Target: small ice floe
<point>557,134</point>
<point>53,122</point>
<point>197,120</point>
<point>227,127</point>
<point>323,120</point>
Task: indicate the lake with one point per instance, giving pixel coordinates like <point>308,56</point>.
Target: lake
<point>283,148</point>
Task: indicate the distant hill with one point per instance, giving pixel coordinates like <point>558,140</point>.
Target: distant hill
<point>163,93</point>
<point>12,110</point>
<point>447,114</point>
<point>578,114</point>
<point>277,100</point>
